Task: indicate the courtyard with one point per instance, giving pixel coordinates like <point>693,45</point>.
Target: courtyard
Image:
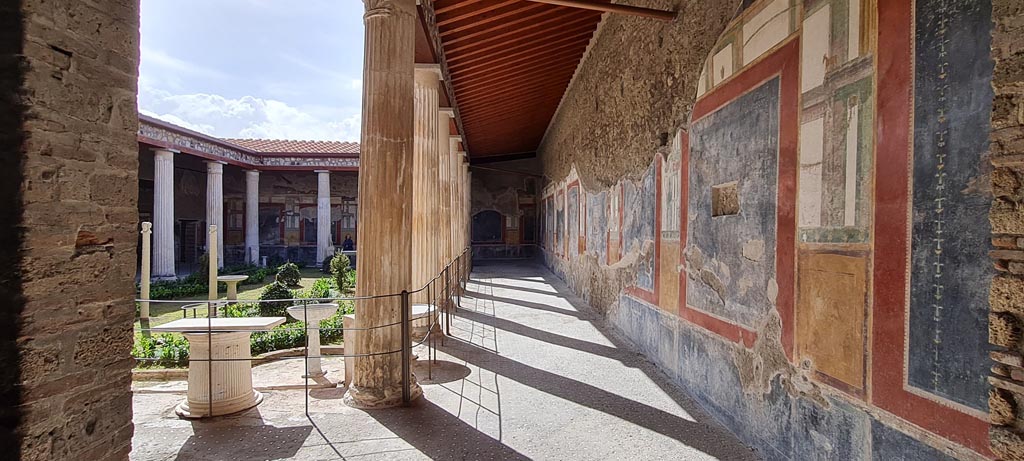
<point>530,372</point>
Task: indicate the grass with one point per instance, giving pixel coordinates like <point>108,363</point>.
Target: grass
<point>163,312</point>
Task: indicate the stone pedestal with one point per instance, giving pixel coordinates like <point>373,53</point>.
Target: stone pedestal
<point>252,217</point>
<point>231,380</point>
<point>163,214</point>
<point>385,202</point>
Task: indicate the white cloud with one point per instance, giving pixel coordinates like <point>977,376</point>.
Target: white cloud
<point>249,116</point>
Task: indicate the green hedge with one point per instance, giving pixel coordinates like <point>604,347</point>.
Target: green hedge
<point>196,284</point>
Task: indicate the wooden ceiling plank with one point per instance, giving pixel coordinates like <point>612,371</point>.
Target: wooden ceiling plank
<point>528,35</point>
<point>533,41</point>
<point>503,26</point>
<point>444,6</point>
<point>545,22</point>
<point>566,62</point>
<point>444,19</point>
<point>498,58</point>
<point>609,7</point>
<point>482,20</point>
<point>545,59</point>
<point>512,88</point>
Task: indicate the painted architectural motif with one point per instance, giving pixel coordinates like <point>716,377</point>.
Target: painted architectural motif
<point>794,214</point>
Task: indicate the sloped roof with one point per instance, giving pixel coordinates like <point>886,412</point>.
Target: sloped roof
<point>296,147</point>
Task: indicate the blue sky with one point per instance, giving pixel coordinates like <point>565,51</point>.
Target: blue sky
<point>254,68</point>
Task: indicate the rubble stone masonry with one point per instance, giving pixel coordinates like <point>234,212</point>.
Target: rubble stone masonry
<point>1007,218</point>
<point>73,68</point>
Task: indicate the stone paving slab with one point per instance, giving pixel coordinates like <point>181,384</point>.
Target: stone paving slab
<point>531,374</point>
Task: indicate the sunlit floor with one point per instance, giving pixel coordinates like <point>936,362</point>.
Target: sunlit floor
<point>531,373</point>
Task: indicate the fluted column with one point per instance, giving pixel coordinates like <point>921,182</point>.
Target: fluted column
<point>163,213</point>
<point>425,166</point>
<point>385,201</point>
<point>324,248</point>
<point>444,148</point>
<point>215,204</point>
<point>453,168</point>
<point>467,205</point>
<point>252,216</point>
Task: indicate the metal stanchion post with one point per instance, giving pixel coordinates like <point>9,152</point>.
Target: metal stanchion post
<point>406,350</point>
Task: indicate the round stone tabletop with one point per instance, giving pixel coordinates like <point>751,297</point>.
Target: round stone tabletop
<point>231,278</point>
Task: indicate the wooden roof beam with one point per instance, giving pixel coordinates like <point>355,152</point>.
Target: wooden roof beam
<point>612,8</point>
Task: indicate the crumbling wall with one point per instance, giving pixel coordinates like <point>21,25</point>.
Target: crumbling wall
<point>78,223</point>
<point>767,286</point>
<point>1007,220</point>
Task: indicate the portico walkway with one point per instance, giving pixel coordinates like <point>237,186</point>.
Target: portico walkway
<point>533,375</point>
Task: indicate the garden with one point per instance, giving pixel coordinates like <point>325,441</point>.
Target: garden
<point>290,281</point>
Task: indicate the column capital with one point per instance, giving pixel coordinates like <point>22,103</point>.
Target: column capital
<point>164,150</point>
<point>215,167</point>
<point>446,111</point>
<point>429,68</point>
<point>321,171</point>
<point>256,172</point>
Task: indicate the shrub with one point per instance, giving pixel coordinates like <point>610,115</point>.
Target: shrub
<point>340,269</point>
<point>167,350</point>
<point>288,274</point>
<point>321,289</point>
<point>241,310</point>
<point>281,337</point>
<point>273,291</point>
<point>173,289</point>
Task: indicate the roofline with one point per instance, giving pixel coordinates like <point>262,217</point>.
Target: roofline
<point>230,145</point>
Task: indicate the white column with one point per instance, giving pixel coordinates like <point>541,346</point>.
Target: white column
<point>215,204</point>
<point>323,215</point>
<point>252,216</point>
<point>163,213</point>
<point>425,163</point>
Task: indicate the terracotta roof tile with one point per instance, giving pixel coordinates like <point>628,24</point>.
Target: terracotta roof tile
<point>279,146</point>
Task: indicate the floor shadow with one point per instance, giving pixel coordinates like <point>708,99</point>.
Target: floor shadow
<point>554,294</point>
<point>438,434</point>
<point>438,372</point>
<point>528,304</point>
<point>623,355</point>
<point>693,434</point>
<point>223,438</point>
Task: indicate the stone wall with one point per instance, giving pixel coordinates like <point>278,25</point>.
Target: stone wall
<point>738,208</point>
<point>1007,221</point>
<point>78,224</point>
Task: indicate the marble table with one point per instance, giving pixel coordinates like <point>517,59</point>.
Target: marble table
<point>232,281</point>
<point>229,380</point>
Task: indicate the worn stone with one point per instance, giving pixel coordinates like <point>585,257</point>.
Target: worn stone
<point>1002,407</point>
<point>1007,295</point>
<point>1007,443</point>
<point>1004,330</point>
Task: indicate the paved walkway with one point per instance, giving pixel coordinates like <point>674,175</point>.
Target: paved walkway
<point>532,374</point>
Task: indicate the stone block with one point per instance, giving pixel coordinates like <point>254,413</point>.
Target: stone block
<point>1004,330</point>
<point>1007,294</point>
<point>1002,407</point>
<point>1006,443</point>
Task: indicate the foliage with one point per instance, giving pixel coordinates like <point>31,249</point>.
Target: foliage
<point>321,289</point>
<point>272,291</point>
<point>281,337</point>
<point>173,289</point>
<point>288,274</point>
<point>325,266</point>
<point>341,269</point>
<point>168,349</point>
<point>241,310</point>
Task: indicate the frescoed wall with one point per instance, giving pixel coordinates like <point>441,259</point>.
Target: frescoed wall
<point>807,252</point>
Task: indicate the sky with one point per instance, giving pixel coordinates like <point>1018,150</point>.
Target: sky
<point>275,69</point>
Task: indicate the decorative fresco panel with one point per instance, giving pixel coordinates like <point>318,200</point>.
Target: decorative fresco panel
<point>597,225</point>
<point>730,258</point>
<point>573,220</point>
<point>950,271</point>
<point>639,200</point>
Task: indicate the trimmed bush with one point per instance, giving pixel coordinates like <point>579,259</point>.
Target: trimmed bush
<point>168,350</point>
<point>274,291</point>
<point>288,274</point>
<point>340,269</point>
